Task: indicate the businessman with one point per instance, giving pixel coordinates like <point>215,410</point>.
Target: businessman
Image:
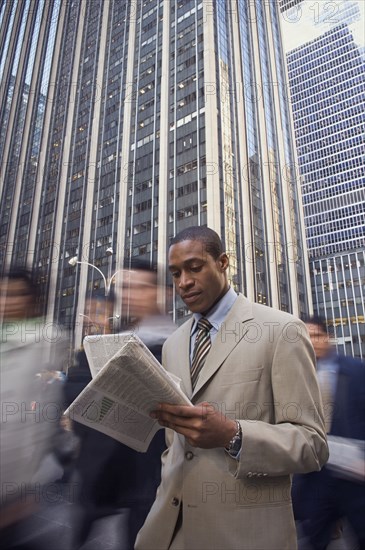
<point>249,372</point>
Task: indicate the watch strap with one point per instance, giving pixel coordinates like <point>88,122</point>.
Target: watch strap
<point>234,446</point>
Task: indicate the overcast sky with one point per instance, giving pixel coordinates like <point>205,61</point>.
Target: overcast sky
<point>312,18</point>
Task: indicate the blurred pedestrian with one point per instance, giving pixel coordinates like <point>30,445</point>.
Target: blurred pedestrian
<point>101,467</point>
<point>113,476</point>
<point>142,314</point>
<point>140,308</point>
<point>30,409</point>
<point>321,499</point>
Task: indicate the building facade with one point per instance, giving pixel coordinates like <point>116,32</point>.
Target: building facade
<point>123,122</point>
<point>327,83</point>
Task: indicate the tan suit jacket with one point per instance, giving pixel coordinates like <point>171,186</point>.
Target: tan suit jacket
<point>260,371</point>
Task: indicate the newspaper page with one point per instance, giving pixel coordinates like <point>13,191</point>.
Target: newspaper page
<point>120,397</point>
<point>99,348</point>
<point>347,458</point>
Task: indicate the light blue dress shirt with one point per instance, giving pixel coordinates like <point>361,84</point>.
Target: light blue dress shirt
<point>215,316</point>
<point>330,365</point>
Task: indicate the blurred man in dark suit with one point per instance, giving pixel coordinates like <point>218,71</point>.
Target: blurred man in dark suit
<point>322,498</point>
<point>113,476</point>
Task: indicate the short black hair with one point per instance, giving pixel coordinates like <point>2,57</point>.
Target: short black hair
<point>139,265</point>
<point>136,264</point>
<point>210,239</point>
<point>99,295</point>
<point>315,320</point>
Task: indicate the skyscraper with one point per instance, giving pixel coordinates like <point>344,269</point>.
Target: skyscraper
<point>124,122</point>
<point>327,82</point>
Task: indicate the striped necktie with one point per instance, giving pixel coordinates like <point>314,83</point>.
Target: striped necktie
<point>201,349</point>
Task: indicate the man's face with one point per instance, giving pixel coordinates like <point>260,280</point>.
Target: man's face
<point>320,340</point>
<point>199,279</point>
<point>139,294</point>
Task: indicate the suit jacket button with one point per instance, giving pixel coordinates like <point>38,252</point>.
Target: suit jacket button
<point>259,474</point>
<point>250,474</point>
<point>189,455</point>
<point>175,502</point>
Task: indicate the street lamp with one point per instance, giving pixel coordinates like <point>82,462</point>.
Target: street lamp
<point>93,322</point>
<point>114,317</point>
<point>87,317</point>
<point>107,286</point>
<point>100,325</point>
<point>107,283</point>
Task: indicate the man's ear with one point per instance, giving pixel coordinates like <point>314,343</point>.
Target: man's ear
<point>223,261</point>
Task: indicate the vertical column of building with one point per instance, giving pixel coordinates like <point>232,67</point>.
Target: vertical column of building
<point>342,308</point>
<point>9,85</point>
<point>297,249</point>
<point>299,230</point>
<point>32,104</point>
<point>92,167</point>
<point>5,20</point>
<point>130,100</point>
<point>142,165</point>
<point>249,166</point>
<point>359,301</point>
<point>242,163</point>
<point>351,307</point>
<point>272,275</point>
<point>211,119</point>
<point>66,155</point>
<point>304,249</point>
<point>43,151</point>
<point>11,120</point>
<point>117,76</point>
<point>162,236</point>
<point>224,16</point>
<point>284,175</point>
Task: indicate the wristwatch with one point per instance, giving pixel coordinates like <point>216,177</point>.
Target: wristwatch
<point>234,446</point>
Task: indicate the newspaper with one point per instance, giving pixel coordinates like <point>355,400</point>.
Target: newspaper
<point>346,458</point>
<point>119,398</point>
<point>99,348</point>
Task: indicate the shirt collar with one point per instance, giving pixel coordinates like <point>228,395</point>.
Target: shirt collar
<point>219,312</point>
<point>328,363</point>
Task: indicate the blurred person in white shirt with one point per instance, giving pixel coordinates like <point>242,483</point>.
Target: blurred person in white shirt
<point>30,415</point>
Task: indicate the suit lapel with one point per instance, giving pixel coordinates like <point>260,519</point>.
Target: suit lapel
<point>230,333</point>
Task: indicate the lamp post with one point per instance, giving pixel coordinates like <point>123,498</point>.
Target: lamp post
<point>107,286</point>
<point>92,323</point>
<point>87,317</point>
<point>97,325</point>
<point>107,282</point>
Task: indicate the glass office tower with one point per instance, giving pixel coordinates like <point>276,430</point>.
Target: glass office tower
<point>123,122</point>
<point>327,82</point>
